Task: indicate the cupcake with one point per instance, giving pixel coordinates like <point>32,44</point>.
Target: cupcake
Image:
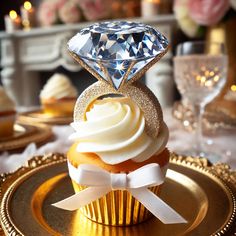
<point>113,137</point>
<point>119,159</point>
<point>58,96</point>
<point>7,114</point>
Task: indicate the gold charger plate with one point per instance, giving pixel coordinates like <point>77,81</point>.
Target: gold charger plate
<point>40,117</point>
<point>19,130</point>
<point>24,134</point>
<point>203,193</point>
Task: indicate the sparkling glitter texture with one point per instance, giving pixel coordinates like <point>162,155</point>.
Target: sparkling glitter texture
<point>137,91</point>
<point>117,51</point>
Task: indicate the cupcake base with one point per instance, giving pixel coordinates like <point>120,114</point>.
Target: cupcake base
<point>117,208</point>
<point>7,125</point>
<point>58,108</point>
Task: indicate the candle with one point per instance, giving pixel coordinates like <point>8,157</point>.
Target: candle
<point>12,22</point>
<point>27,15</point>
<point>150,7</point>
<point>233,88</point>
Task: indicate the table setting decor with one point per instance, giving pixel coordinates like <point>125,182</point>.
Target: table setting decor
<point>28,16</point>
<point>200,75</point>
<point>12,22</point>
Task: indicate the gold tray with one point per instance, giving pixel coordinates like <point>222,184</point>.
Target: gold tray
<point>25,134</point>
<point>202,193</point>
<point>40,117</point>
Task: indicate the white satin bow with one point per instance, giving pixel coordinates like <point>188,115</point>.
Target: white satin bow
<point>137,182</point>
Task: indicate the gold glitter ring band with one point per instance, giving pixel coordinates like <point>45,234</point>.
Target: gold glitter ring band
<point>137,91</point>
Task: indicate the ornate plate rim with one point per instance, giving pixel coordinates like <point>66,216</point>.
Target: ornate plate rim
<point>8,181</point>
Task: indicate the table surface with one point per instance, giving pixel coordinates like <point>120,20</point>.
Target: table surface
<point>221,142</point>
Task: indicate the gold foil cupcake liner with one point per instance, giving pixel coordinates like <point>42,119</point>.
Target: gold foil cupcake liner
<point>117,208</point>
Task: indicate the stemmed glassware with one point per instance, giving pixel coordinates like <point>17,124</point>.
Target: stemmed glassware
<point>200,70</point>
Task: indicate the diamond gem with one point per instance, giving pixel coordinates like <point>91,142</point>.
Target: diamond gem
<point>111,48</point>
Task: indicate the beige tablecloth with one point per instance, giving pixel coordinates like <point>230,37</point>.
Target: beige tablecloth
<point>221,142</point>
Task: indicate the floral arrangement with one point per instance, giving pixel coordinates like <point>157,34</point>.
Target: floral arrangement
<point>95,9</point>
<point>192,15</point>
<point>71,11</point>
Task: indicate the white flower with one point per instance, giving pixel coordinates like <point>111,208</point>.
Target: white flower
<point>186,23</point>
<point>233,4</point>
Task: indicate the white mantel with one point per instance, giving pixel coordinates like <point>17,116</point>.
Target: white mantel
<point>25,53</point>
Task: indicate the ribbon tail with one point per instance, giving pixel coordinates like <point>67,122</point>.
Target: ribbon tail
<point>82,198</point>
<point>156,206</point>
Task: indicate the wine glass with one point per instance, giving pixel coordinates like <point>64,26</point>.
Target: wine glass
<point>200,70</point>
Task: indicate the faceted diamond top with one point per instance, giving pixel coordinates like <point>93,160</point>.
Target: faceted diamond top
<point>118,41</point>
<point>111,48</point>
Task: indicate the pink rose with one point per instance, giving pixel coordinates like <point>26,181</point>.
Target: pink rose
<point>47,13</point>
<point>60,3</point>
<point>95,9</point>
<point>69,13</point>
<point>207,12</point>
<point>76,1</point>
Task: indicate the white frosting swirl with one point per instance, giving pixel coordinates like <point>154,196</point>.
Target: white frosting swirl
<point>6,104</point>
<point>115,131</point>
<point>58,86</point>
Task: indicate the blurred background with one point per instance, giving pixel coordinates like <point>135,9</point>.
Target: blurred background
<point>195,82</point>
<point>34,35</point>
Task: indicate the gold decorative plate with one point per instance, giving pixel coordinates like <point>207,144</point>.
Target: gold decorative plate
<point>25,134</point>
<point>202,193</point>
<point>40,117</point>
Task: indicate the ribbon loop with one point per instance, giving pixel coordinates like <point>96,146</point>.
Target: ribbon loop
<point>146,176</point>
<point>118,181</point>
<point>101,182</point>
<point>89,175</point>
